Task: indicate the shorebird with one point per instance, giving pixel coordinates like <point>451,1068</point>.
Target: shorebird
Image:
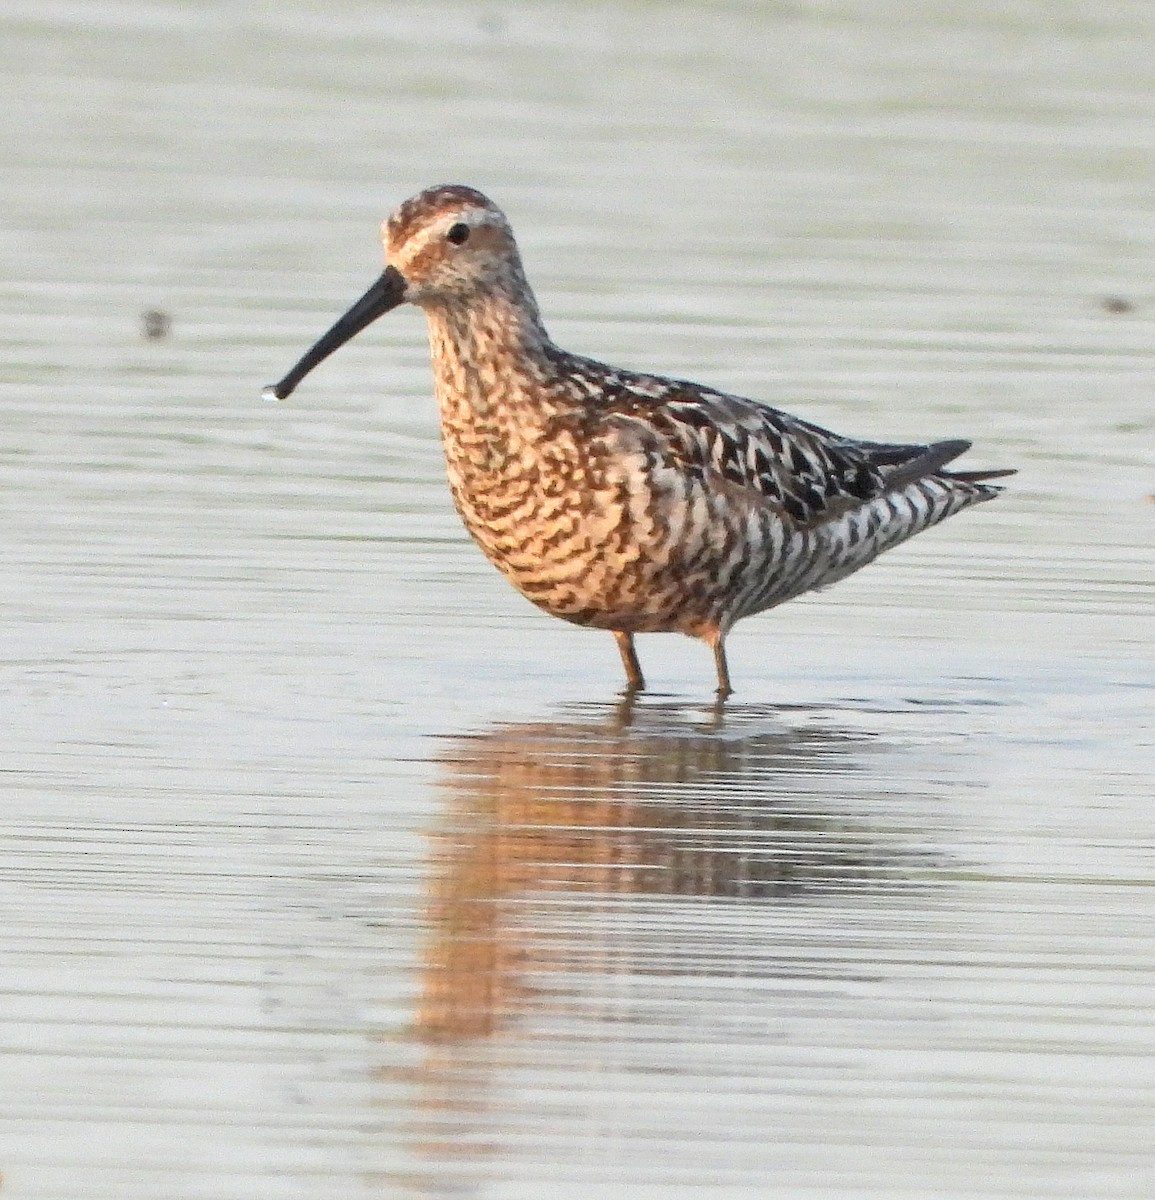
<point>620,500</point>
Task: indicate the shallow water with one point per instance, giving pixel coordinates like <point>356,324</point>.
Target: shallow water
<point>330,868</point>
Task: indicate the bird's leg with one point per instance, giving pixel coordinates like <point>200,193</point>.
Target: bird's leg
<point>715,639</point>
<point>634,680</point>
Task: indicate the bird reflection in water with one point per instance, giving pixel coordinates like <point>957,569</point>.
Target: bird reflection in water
<point>627,893</point>
<point>609,842</point>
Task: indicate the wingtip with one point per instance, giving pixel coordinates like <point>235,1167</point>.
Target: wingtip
<point>981,476</point>
<point>930,462</point>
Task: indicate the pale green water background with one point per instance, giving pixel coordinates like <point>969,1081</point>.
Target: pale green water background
<point>329,868</point>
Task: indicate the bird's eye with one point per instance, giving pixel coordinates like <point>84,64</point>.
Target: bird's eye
<point>458,233</point>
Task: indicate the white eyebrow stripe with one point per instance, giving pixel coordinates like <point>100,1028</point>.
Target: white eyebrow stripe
<point>437,230</point>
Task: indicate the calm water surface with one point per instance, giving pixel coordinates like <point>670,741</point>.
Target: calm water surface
<point>329,867</point>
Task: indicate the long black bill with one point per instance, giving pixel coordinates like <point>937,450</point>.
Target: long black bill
<point>387,292</point>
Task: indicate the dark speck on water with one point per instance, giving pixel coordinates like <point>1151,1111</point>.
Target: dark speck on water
<point>155,324</point>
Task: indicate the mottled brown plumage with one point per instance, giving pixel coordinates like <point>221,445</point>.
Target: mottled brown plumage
<point>625,501</point>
